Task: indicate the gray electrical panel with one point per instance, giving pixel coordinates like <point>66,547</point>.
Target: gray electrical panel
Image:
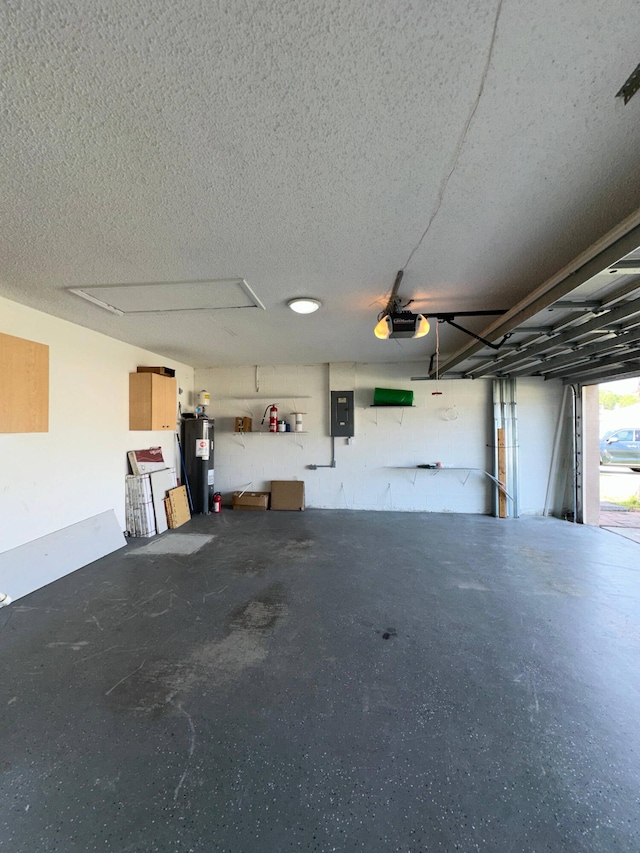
<point>342,413</point>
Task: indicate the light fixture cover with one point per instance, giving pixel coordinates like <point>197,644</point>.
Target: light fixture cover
<point>422,326</point>
<point>304,304</point>
<point>383,328</point>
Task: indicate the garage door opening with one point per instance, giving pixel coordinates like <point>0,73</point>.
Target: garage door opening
<point>619,456</point>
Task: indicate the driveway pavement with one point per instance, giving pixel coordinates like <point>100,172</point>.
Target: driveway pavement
<point>621,521</point>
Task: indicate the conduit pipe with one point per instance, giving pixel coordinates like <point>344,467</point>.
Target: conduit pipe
<point>333,458</point>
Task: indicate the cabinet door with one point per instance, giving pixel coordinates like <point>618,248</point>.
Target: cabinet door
<point>152,401</point>
<point>163,402</point>
<point>139,401</point>
<point>170,403</point>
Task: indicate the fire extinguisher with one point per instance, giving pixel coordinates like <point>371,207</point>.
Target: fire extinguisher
<point>217,502</point>
<point>273,417</point>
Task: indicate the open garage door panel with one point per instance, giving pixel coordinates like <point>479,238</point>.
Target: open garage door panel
<point>581,326</point>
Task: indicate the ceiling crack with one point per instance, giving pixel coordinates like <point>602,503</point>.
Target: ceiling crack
<point>463,136</point>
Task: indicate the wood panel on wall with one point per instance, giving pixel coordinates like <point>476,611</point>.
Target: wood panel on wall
<point>24,385</point>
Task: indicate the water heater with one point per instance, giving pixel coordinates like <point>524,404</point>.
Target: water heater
<point>197,449</point>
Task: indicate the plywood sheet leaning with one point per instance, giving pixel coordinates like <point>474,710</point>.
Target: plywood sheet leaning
<point>177,507</point>
<point>502,475</point>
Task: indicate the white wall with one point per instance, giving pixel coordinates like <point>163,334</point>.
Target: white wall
<point>368,473</point>
<point>76,470</point>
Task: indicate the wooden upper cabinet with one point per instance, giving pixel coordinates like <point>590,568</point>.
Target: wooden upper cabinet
<point>24,385</point>
<point>152,401</point>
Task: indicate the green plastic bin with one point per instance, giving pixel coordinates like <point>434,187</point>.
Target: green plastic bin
<point>392,397</point>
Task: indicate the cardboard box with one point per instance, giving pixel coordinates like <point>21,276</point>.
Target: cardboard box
<point>287,494</point>
<point>243,424</point>
<point>251,500</point>
<point>177,507</point>
<point>163,371</point>
<point>145,461</point>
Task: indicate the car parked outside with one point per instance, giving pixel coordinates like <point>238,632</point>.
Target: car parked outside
<point>621,447</point>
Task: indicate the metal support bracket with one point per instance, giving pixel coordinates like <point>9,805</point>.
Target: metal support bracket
<point>482,340</point>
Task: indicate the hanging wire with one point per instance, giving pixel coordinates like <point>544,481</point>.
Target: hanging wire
<point>437,392</point>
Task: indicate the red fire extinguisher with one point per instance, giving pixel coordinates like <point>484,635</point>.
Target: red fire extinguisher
<point>217,502</point>
<point>273,417</point>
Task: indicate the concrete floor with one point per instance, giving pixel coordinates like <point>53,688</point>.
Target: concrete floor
<point>328,681</point>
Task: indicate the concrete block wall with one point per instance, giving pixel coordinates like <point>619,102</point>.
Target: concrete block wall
<point>374,470</point>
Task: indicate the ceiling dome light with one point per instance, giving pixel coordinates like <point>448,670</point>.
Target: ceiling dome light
<point>304,305</point>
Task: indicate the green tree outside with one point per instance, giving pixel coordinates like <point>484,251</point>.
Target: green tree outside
<point>610,401</point>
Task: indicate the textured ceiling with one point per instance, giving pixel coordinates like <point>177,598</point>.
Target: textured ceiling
<point>306,147</point>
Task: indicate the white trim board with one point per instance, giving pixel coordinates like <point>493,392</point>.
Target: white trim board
<point>42,561</point>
